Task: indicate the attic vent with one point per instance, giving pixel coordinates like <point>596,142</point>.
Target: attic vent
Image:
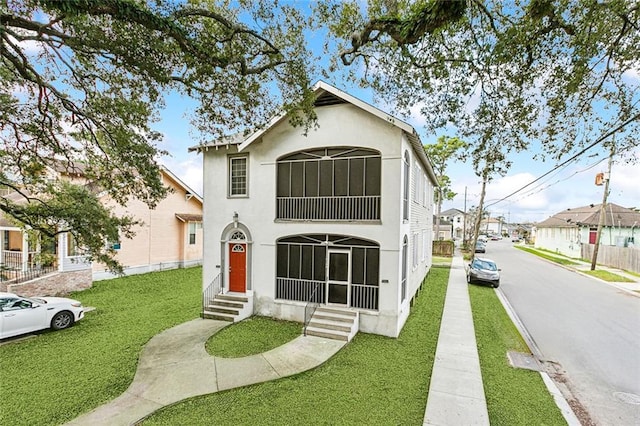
<point>328,99</point>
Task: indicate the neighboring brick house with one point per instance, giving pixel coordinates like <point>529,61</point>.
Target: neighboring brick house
<point>341,217</point>
<point>170,237</point>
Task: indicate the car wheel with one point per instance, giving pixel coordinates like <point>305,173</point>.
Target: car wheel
<point>62,320</point>
<point>496,285</point>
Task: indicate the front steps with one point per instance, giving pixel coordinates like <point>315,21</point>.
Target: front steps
<point>333,323</point>
<point>229,307</point>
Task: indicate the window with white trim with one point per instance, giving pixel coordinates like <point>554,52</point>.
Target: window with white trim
<point>425,190</point>
<point>238,176</point>
<point>73,249</point>
<point>193,230</point>
<point>405,192</point>
<point>414,250</point>
<point>403,282</point>
<point>416,183</point>
<point>424,244</point>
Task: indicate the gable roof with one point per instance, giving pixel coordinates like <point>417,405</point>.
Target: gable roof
<point>451,212</point>
<point>615,215</point>
<point>181,184</point>
<point>327,94</point>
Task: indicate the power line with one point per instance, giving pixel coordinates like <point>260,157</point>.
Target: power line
<point>600,139</point>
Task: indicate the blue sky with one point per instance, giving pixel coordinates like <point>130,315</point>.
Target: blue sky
<point>571,186</point>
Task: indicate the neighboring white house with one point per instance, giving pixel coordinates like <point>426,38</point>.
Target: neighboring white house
<point>564,232</point>
<point>341,217</point>
<point>457,218</point>
<point>491,226</point>
<point>444,229</point>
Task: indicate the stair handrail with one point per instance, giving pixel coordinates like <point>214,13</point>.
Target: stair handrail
<point>310,307</point>
<point>212,290</point>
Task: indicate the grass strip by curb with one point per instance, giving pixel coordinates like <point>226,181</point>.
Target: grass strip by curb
<point>608,276</point>
<point>514,396</point>
<point>552,258</point>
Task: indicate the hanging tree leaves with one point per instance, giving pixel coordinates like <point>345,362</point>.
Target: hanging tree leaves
<point>85,80</point>
<point>505,74</point>
<point>559,73</point>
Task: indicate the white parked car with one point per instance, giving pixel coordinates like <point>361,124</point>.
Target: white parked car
<point>19,315</point>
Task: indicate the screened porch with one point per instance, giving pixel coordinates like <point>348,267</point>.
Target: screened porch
<point>328,269</point>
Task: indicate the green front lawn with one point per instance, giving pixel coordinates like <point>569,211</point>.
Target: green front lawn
<point>373,380</point>
<point>252,336</point>
<point>56,376</point>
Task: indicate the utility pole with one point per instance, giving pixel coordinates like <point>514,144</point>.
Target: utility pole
<point>603,208</point>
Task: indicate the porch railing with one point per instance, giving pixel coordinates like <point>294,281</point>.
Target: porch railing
<point>212,290</point>
<point>12,275</point>
<point>299,289</point>
<point>311,306</point>
<point>13,259</point>
<point>329,208</point>
<point>364,296</point>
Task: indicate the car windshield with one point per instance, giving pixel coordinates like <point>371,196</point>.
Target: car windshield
<point>484,264</point>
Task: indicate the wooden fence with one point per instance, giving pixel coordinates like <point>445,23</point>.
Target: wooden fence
<point>443,248</point>
<point>627,258</point>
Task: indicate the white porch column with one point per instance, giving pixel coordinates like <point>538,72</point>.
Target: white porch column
<point>1,246</point>
<point>62,248</point>
<point>25,251</point>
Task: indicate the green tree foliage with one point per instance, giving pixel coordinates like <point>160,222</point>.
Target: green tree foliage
<point>558,72</point>
<point>441,154</point>
<point>84,80</point>
<point>562,73</point>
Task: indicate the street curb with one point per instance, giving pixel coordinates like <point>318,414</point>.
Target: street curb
<point>560,400</point>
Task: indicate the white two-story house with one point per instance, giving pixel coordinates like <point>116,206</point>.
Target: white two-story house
<point>341,217</point>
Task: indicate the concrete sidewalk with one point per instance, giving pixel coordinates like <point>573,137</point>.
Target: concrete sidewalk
<point>456,393</point>
<point>174,365</point>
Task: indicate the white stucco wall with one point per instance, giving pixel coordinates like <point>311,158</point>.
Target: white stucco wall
<point>339,125</point>
<point>567,240</point>
<point>564,240</point>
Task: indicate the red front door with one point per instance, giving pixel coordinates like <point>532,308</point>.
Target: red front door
<point>237,267</point>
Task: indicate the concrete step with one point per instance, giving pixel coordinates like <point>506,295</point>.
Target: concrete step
<point>330,324</point>
<point>328,334</point>
<point>224,303</point>
<point>222,310</point>
<point>218,316</point>
<point>232,298</point>
<point>333,316</point>
<point>336,311</point>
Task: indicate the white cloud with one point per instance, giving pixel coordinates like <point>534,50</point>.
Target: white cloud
<point>188,170</point>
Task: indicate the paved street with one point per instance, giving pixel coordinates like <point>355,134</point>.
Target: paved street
<point>581,326</point>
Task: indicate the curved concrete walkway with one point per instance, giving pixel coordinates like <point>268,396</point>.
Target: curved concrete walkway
<point>174,365</point>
